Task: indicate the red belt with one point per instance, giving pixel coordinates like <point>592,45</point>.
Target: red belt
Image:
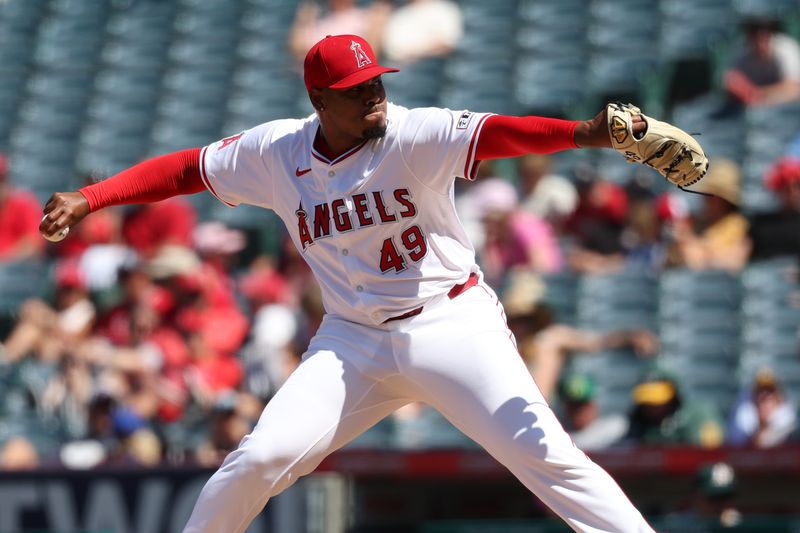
<point>472,280</point>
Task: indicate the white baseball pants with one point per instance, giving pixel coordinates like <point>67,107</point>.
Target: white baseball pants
<point>458,356</point>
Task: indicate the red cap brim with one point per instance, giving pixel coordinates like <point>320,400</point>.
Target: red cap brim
<point>361,76</point>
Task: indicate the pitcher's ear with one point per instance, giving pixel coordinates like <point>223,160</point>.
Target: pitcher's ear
<point>317,99</point>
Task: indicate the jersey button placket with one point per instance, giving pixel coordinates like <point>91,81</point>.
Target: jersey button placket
<point>345,252</point>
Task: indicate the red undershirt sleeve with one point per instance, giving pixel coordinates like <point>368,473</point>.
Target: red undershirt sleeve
<point>152,180</point>
<point>504,136</point>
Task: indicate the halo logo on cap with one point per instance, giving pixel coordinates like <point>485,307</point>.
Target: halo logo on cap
<point>361,56</point>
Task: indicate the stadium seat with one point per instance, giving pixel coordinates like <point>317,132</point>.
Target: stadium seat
<point>771,321</point>
<point>419,86</point>
<point>721,137</point>
<point>615,373</point>
<point>689,27</point>
<point>620,53</point>
<point>626,300</point>
<point>699,332</point>
<point>764,8</point>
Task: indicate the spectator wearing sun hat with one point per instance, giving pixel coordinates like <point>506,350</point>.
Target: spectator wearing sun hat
<point>718,239</point>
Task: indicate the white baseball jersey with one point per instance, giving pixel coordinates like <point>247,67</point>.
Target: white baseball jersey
<point>377,225</point>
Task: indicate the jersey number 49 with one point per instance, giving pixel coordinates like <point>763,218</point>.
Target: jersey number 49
<point>412,240</point>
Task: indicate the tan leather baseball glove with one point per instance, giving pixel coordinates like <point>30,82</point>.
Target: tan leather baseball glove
<point>675,154</point>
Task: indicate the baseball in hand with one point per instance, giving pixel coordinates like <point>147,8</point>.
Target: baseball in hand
<point>56,237</point>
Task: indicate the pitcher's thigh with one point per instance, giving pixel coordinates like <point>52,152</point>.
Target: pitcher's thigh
<point>323,405</point>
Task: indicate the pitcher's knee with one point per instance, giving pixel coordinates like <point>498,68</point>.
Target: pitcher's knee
<point>277,467</point>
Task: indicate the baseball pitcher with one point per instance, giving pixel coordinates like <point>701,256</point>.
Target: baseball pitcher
<point>365,189</point>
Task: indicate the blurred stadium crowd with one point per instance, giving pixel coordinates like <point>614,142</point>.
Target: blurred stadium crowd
<point>156,333</point>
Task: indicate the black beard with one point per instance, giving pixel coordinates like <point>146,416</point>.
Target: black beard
<point>378,132</point>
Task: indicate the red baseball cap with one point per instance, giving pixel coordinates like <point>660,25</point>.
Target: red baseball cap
<point>341,61</point>
<point>783,173</point>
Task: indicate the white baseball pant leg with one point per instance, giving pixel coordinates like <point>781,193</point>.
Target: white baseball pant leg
<point>462,360</point>
<point>326,402</point>
<point>458,356</point>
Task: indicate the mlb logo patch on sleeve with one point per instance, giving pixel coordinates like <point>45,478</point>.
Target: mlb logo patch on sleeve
<point>463,121</point>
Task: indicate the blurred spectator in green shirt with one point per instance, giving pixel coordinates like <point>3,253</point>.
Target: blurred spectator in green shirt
<point>661,415</point>
<point>588,429</point>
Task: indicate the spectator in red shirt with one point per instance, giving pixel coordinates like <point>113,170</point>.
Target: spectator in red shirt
<point>152,226</point>
<point>20,214</point>
<point>218,247</point>
<point>598,224</point>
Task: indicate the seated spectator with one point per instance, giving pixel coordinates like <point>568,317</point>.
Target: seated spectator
<point>150,226</point>
<point>131,441</point>
<point>661,415</point>
<point>263,285</point>
<point>227,426</point>
<point>422,28</point>
<point>115,435</point>
<point>767,70</point>
<point>45,330</point>
<point>44,347</point>
<point>643,238</point>
<point>778,234</point>
<point>762,417</point>
<point>142,447</point>
<point>269,356</point>
<point>294,269</point>
<point>720,239</point>
<point>64,397</point>
<point>598,224</point>
<point>513,239</point>
<point>588,430</point>
<point>20,214</point>
<point>218,247</point>
<point>341,17</point>
<point>546,195</point>
<point>101,250</point>
<point>469,203</point>
<point>545,344</point>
